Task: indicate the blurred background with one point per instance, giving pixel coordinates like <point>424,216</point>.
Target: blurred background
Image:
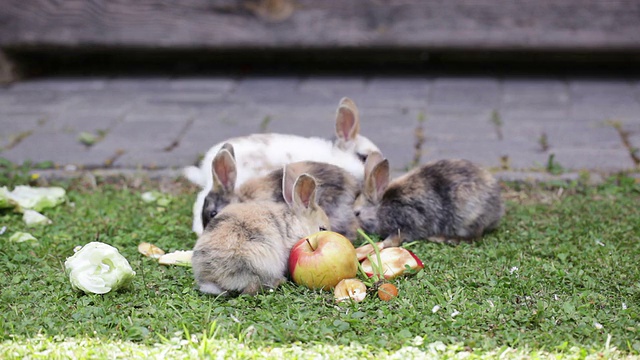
<point>44,37</point>
<point>508,71</point>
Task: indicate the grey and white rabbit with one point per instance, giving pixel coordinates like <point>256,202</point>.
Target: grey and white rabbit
<point>258,154</point>
<point>245,248</point>
<point>443,201</point>
<point>337,189</point>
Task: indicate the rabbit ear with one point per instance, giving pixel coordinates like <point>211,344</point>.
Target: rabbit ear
<point>223,169</point>
<point>372,160</point>
<point>288,181</point>
<point>345,101</point>
<point>229,148</point>
<point>377,181</point>
<point>298,190</point>
<point>347,120</point>
<point>296,169</point>
<point>304,192</point>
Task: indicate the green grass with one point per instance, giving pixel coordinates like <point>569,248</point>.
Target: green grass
<point>559,278</point>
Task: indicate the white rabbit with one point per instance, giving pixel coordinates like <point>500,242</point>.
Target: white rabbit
<point>258,154</point>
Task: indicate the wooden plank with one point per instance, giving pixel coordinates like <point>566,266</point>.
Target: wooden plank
<point>233,24</point>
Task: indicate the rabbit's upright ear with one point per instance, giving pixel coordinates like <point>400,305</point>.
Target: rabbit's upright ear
<point>229,148</point>
<point>347,120</point>
<point>304,192</point>
<point>298,188</point>
<point>288,181</point>
<point>223,169</point>
<point>372,160</point>
<point>376,181</point>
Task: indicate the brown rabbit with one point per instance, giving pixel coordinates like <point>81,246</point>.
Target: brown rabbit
<point>443,201</point>
<point>337,189</point>
<point>246,246</point>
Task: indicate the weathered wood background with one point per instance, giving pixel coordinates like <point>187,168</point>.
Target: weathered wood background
<point>236,24</point>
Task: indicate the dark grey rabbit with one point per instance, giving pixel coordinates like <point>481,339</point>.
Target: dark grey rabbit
<point>443,201</point>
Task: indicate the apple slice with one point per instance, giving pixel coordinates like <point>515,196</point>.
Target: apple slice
<point>393,260</point>
<point>368,249</point>
<point>353,289</point>
<point>180,258</point>
<point>150,250</point>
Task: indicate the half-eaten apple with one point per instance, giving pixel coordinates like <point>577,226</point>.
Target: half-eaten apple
<point>395,261</point>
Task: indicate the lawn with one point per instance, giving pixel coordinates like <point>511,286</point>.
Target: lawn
<point>560,277</point>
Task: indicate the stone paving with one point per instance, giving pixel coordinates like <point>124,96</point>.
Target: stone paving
<point>513,125</point>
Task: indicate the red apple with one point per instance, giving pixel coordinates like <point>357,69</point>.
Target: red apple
<point>393,260</point>
<point>321,260</point>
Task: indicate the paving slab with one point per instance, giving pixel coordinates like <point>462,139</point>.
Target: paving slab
<point>138,136</point>
<point>212,126</point>
<point>393,131</point>
<point>502,122</point>
<point>606,160</point>
<point>536,92</point>
<point>464,95</point>
<point>269,90</point>
<point>60,148</point>
<point>332,88</point>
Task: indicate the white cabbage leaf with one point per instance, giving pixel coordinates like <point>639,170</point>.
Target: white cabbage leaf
<point>98,268</point>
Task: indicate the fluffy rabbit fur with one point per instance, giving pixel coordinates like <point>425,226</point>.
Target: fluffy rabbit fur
<point>443,201</point>
<point>337,189</point>
<point>258,154</point>
<point>245,248</point>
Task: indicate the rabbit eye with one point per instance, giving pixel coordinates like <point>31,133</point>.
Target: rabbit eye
<point>357,213</point>
<point>213,213</point>
<point>322,228</point>
<point>362,157</point>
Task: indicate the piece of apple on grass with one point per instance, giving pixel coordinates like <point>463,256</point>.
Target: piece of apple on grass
<point>150,250</point>
<point>321,260</point>
<point>179,258</point>
<point>395,262</point>
<point>368,249</point>
<point>350,289</point>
